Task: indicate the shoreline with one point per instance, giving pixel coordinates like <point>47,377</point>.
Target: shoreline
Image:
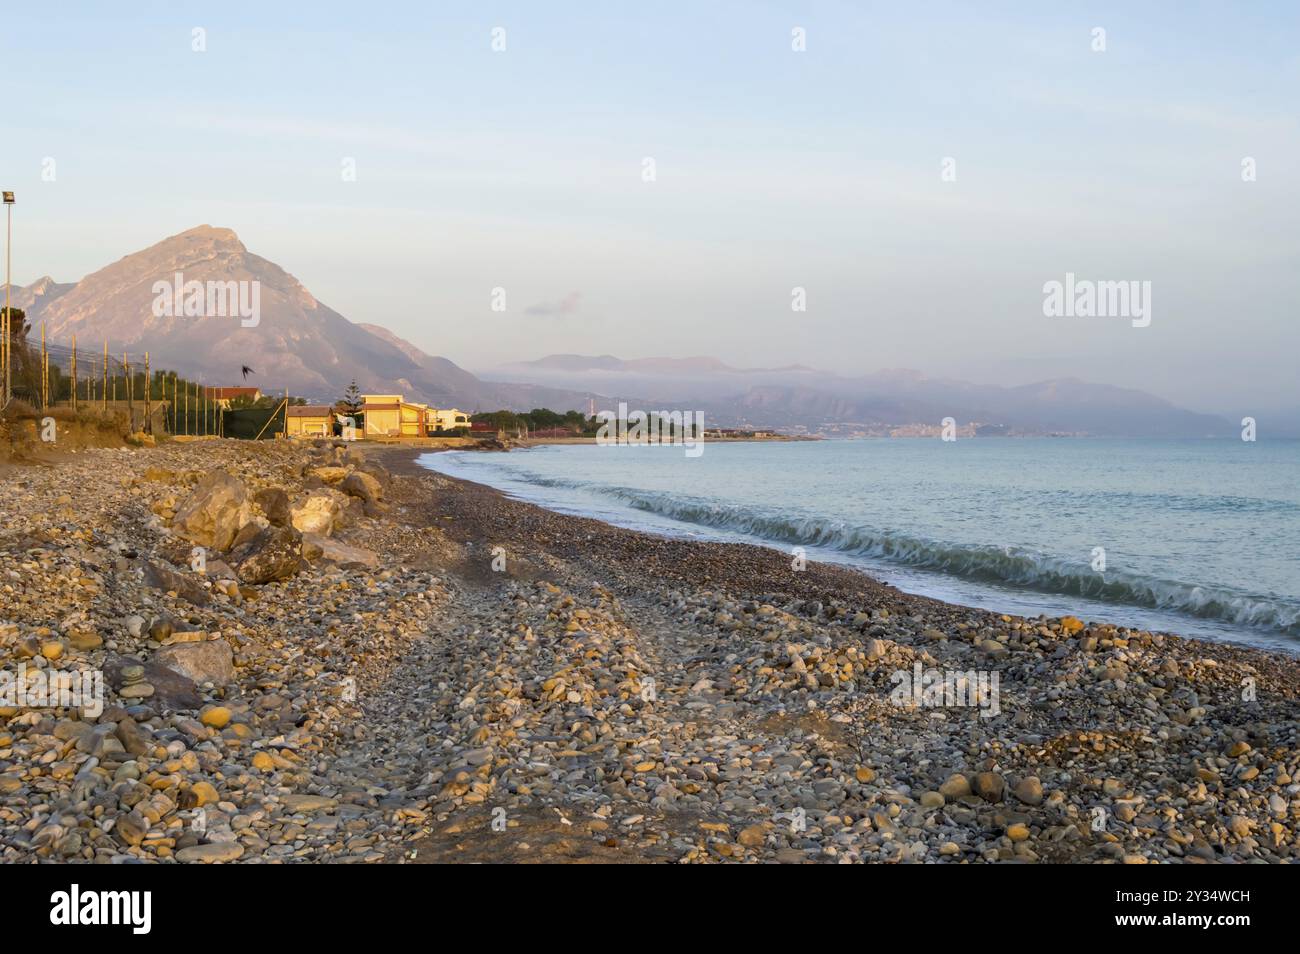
<point>443,658</point>
<point>950,587</point>
<point>769,439</point>
<point>404,461</point>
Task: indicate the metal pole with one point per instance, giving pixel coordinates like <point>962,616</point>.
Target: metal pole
<point>9,258</point>
<point>270,420</point>
<point>129,387</point>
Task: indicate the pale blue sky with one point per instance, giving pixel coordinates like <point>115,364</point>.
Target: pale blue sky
<point>776,169</point>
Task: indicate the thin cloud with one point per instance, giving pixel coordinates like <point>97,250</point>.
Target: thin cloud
<point>568,305</point>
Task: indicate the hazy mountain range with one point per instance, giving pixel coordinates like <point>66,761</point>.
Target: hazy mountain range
<point>796,396</point>
<point>305,346</point>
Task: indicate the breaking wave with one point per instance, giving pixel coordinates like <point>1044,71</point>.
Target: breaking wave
<point>1008,566</point>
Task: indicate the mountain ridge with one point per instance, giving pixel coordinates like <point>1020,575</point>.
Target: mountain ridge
<point>300,344</point>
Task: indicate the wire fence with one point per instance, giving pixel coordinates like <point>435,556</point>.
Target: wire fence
<point>152,400</point>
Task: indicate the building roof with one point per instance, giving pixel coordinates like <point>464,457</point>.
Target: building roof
<point>310,410</point>
<point>227,394</point>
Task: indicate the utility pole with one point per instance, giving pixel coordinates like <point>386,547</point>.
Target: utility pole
<point>74,374</point>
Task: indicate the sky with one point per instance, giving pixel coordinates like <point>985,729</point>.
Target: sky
<point>823,169</point>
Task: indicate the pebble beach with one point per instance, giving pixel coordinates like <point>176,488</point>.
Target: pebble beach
<point>319,652</point>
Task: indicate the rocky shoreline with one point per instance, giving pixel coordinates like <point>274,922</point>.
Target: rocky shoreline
<point>329,654</point>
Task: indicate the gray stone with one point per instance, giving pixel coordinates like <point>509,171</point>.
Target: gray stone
<point>275,553</point>
<point>317,547</point>
<point>362,485</point>
<point>275,504</point>
<point>209,661</point>
<point>171,689</point>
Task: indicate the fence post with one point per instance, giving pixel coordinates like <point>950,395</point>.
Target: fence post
<point>129,386</point>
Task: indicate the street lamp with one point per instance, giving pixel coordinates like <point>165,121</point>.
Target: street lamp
<point>9,255</point>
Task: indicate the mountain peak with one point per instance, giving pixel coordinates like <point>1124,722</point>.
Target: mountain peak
<point>205,234</point>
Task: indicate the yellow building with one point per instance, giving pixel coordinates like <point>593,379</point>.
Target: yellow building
<point>389,415</point>
<point>310,420</point>
<point>448,419</point>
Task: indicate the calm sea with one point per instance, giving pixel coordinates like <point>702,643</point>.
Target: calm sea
<point>1198,537</point>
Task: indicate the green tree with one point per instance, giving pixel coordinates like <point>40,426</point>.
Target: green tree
<point>350,404</point>
<point>25,363</point>
<point>543,418</point>
<point>500,420</point>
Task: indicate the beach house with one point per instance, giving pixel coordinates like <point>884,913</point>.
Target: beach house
<point>448,419</point>
<point>392,416</point>
<point>310,420</point>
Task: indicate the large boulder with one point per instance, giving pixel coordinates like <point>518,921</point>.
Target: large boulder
<point>316,547</point>
<point>318,511</point>
<point>187,587</point>
<point>363,485</point>
<point>377,471</point>
<point>171,689</point>
<point>214,511</point>
<point>256,524</point>
<point>275,553</point>
<point>275,504</point>
<point>329,474</point>
<point>209,661</point>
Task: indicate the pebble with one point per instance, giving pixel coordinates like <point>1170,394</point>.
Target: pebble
<point>211,852</point>
<point>1029,790</point>
<point>988,786</point>
<point>216,717</point>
